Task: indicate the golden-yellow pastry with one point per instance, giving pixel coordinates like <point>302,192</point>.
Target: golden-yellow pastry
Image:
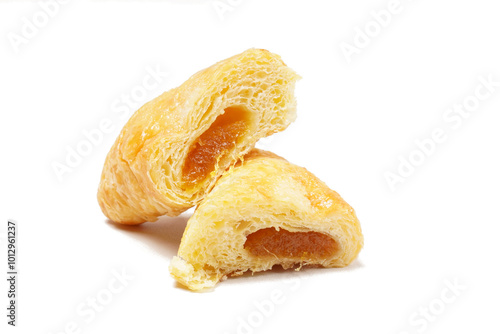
<point>265,212</point>
<point>173,149</point>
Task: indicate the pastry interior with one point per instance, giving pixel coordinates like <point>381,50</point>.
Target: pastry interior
<point>299,246</point>
<point>214,145</point>
<point>231,249</point>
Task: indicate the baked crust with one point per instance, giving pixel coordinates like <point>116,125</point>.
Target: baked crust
<point>264,193</point>
<point>145,176</point>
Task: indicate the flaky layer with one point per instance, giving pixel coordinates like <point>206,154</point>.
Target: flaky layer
<point>173,149</point>
<point>248,207</point>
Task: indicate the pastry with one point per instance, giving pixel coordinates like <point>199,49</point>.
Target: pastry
<point>265,212</point>
<point>173,149</point>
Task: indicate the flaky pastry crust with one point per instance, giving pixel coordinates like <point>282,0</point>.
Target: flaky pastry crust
<point>260,197</point>
<point>173,149</point>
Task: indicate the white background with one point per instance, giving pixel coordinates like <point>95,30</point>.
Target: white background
<point>354,120</point>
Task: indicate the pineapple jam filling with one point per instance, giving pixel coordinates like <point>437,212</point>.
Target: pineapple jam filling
<point>269,242</point>
<point>214,143</point>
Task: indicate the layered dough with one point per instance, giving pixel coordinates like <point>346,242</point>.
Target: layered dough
<point>172,150</point>
<point>265,212</point>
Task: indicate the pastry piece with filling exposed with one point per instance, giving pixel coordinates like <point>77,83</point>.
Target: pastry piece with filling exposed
<point>265,212</point>
<point>172,150</point>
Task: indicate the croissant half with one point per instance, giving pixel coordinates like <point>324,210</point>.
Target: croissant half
<point>172,150</point>
<point>265,212</point>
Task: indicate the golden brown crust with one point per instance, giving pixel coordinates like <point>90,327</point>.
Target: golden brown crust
<point>264,192</point>
<point>142,177</point>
